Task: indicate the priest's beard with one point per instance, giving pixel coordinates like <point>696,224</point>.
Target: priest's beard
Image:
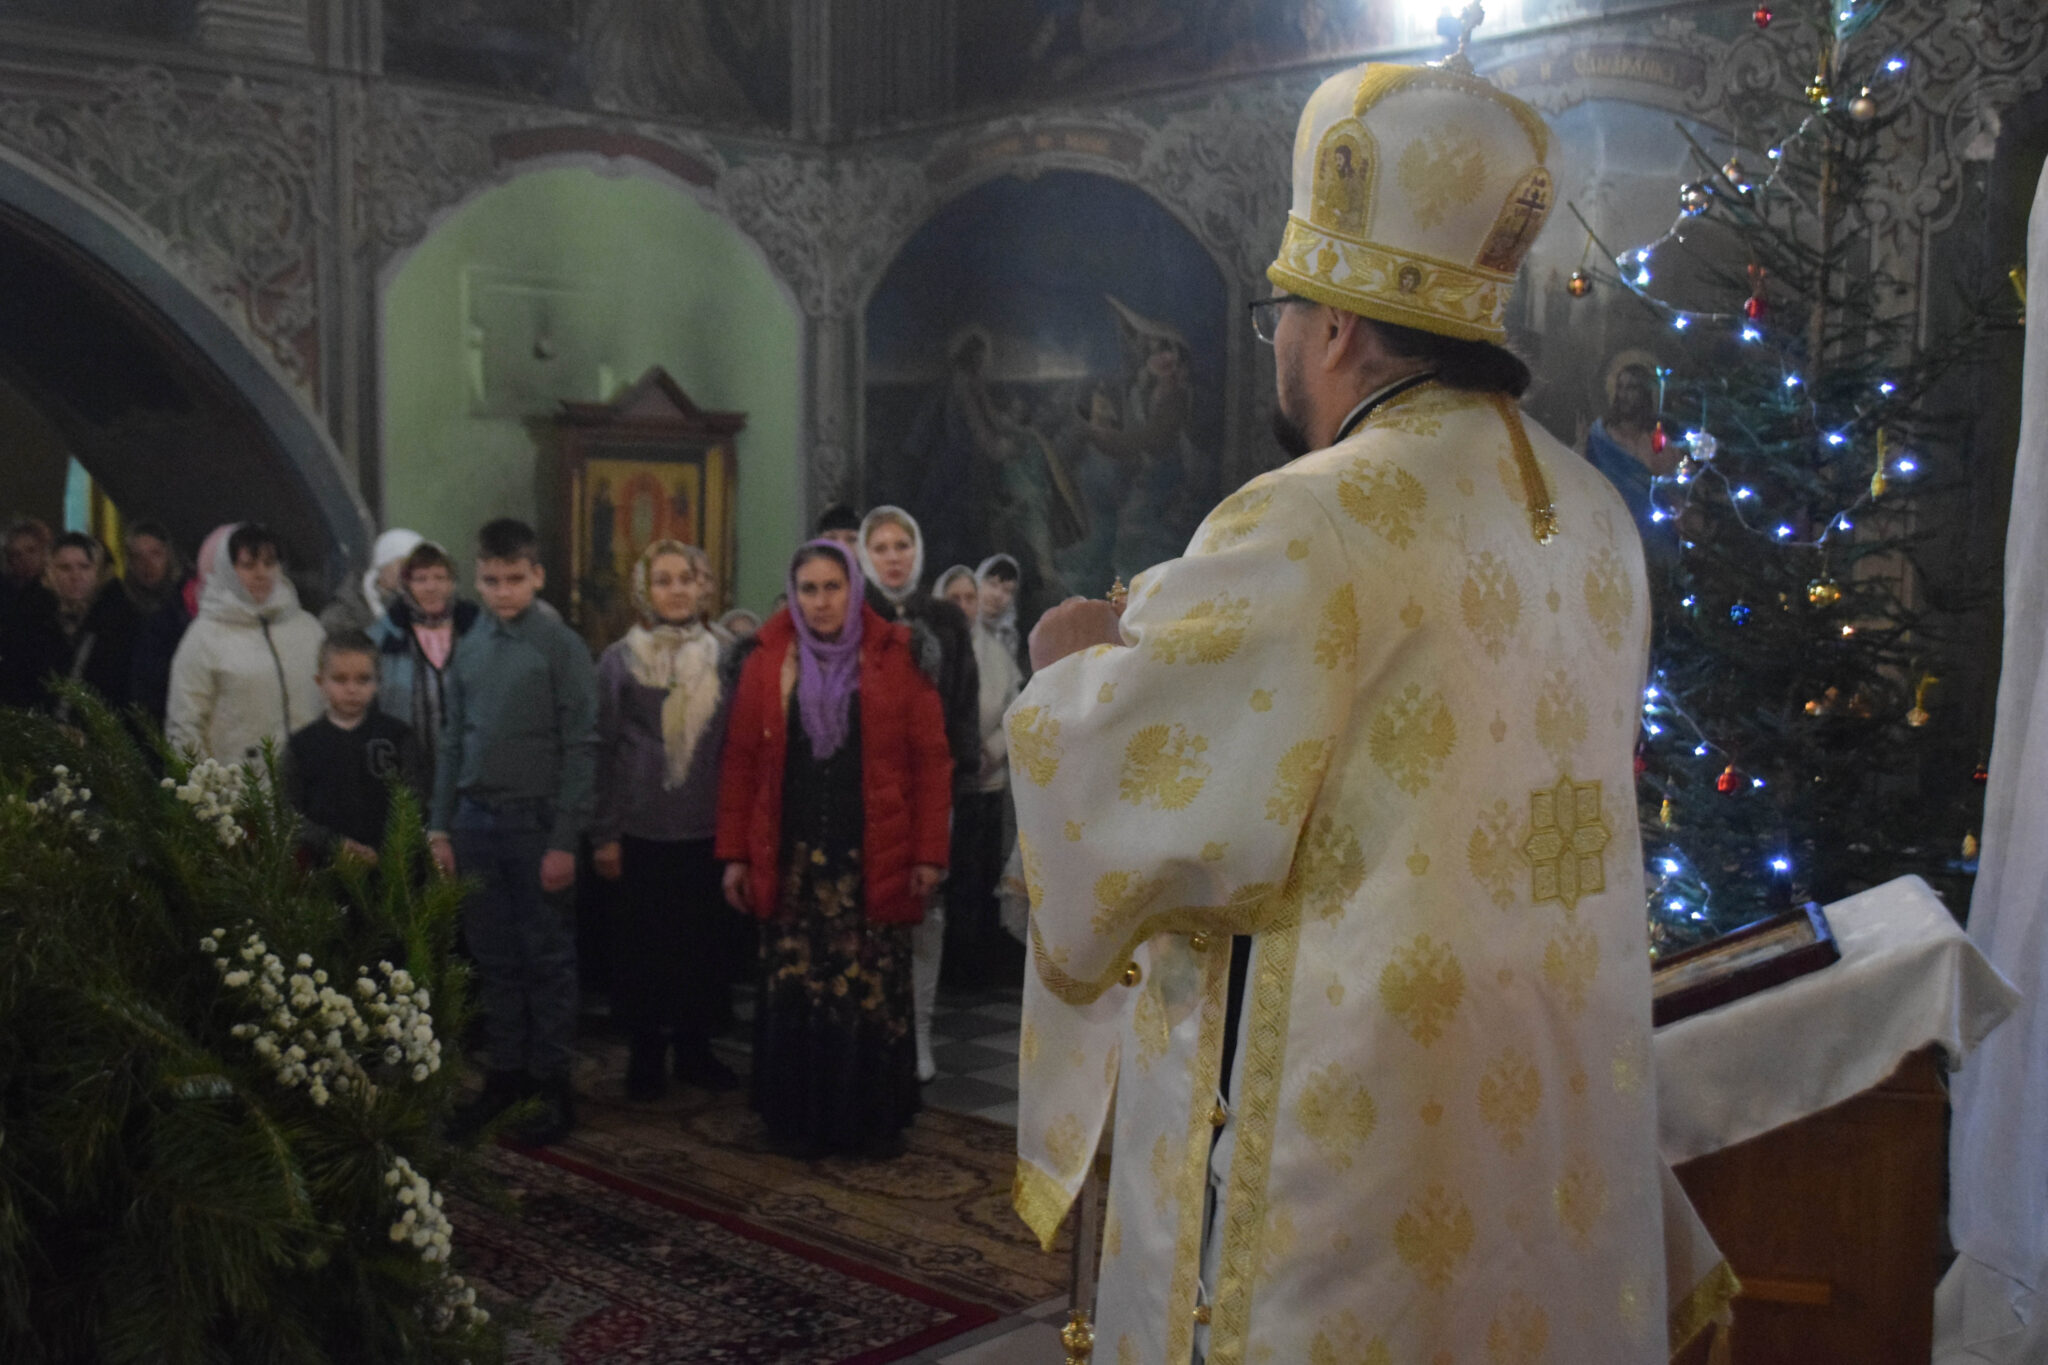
<point>1287,431</point>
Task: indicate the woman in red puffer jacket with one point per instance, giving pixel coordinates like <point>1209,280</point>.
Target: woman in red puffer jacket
<point>834,802</point>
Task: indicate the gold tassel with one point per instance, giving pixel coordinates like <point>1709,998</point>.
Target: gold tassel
<point>1078,1336</point>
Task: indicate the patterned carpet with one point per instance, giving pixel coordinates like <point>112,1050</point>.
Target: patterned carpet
<point>661,1233</point>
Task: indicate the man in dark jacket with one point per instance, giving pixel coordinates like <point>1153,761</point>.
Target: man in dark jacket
<point>156,584</point>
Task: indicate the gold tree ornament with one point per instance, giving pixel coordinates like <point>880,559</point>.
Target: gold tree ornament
<point>1863,108</point>
<point>1580,283</point>
<point>1818,91</point>
<point>1823,591</point>
<point>1920,715</point>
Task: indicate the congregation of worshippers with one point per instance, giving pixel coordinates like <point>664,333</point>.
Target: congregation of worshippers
<point>444,672</point>
<point>1261,681</point>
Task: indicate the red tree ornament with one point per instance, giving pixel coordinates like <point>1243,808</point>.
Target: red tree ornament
<point>1658,440</point>
<point>1755,308</point>
<point>1763,16</point>
<point>1728,781</point>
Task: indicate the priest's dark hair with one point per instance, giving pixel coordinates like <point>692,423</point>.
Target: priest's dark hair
<point>1473,366</point>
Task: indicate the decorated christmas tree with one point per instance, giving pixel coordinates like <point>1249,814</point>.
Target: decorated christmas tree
<point>1793,744</point>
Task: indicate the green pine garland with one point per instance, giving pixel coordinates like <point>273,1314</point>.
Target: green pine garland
<point>169,1192</point>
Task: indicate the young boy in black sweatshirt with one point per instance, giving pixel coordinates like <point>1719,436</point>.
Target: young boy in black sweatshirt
<point>337,772</point>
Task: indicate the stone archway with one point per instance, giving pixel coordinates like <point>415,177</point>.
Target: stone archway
<point>153,391</point>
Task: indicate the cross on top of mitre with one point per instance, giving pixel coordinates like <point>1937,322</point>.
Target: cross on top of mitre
<point>1460,27</point>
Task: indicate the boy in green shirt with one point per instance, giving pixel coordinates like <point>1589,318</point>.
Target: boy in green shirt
<point>512,794</point>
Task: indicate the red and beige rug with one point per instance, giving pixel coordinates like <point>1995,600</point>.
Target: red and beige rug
<point>664,1234</point>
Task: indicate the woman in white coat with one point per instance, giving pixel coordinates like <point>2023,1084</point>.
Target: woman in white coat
<point>244,672</point>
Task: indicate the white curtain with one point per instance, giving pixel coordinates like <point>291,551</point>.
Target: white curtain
<point>1994,1304</point>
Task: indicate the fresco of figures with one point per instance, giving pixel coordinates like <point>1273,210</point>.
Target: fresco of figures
<point>1045,371</point>
<point>725,61</point>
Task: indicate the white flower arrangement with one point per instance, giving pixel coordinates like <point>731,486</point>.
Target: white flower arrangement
<point>422,1223</point>
<point>65,802</point>
<point>214,789</point>
<point>312,1034</point>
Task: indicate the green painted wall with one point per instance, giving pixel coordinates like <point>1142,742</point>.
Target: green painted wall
<point>660,280</point>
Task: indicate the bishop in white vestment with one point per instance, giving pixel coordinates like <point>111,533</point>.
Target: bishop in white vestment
<point>1373,736</point>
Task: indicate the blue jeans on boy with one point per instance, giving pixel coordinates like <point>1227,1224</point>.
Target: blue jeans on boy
<point>520,936</point>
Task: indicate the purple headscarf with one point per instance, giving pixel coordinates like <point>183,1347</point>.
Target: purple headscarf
<point>827,671</point>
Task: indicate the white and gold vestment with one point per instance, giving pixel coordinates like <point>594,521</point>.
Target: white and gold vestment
<point>1381,718</point>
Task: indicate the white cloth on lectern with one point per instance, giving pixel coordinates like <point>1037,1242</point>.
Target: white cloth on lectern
<point>1998,1153</point>
<point>1908,977</point>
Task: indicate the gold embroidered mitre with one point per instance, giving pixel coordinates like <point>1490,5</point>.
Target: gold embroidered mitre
<point>1417,191</point>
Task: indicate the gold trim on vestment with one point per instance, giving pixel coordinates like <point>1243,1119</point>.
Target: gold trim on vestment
<point>1193,1202</point>
<point>1406,288</point>
<point>1251,1163</point>
<point>1247,912</point>
<point>1542,511</point>
<point>1697,1311</point>
<point>1040,1201</point>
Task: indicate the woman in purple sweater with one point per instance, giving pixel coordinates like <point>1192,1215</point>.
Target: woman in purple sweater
<point>661,727</point>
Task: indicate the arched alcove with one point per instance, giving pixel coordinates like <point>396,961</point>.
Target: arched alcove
<point>1022,314</point>
<point>108,351</point>
<point>565,283</point>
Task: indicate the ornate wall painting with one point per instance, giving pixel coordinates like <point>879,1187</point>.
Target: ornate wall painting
<point>1045,365</point>
<point>724,61</point>
<point>1018,51</point>
<point>1622,165</point>
<point>137,18</point>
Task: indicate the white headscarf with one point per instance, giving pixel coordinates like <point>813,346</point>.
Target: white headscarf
<point>883,513</point>
<point>680,658</point>
<point>1003,625</point>
<point>940,584</point>
<point>223,598</point>
<point>393,546</point>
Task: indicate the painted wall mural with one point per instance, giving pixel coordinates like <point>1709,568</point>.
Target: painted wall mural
<point>1018,51</point>
<point>136,18</point>
<point>1595,358</point>
<point>1014,50</point>
<point>1045,377</point>
<point>724,61</point>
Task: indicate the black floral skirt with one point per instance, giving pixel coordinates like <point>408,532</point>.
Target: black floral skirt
<point>835,1056</point>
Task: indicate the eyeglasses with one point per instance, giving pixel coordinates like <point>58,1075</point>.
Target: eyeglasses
<point>1266,314</point>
